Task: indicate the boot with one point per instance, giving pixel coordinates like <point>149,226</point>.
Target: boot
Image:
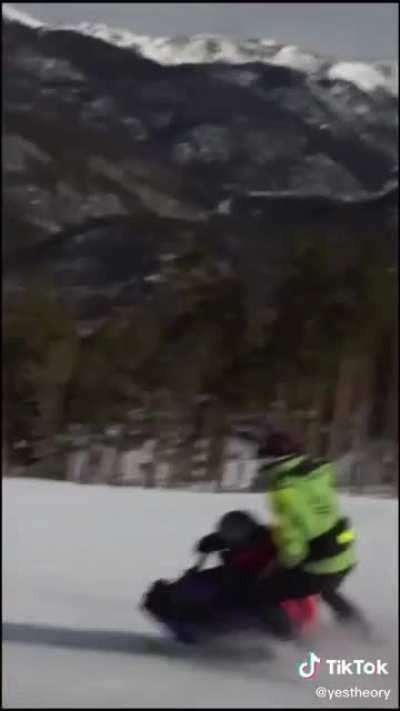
<point>278,623</point>
<point>346,613</point>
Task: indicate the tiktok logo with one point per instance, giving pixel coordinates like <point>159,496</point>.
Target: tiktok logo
<point>308,669</point>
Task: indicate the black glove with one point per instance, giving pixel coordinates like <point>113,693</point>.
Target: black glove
<point>209,544</point>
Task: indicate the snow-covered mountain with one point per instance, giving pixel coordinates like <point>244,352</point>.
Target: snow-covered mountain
<point>107,154</point>
<point>10,13</point>
<point>207,49</point>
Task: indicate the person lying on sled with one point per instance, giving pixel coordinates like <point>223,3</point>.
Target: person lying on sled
<point>204,598</point>
<point>246,548</point>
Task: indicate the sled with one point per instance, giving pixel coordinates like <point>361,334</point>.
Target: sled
<point>191,609</point>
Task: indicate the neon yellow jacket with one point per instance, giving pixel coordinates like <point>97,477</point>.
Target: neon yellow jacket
<point>310,531</point>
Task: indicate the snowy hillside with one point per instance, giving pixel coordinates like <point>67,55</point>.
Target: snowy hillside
<point>13,15</point>
<point>206,49</point>
<point>76,561</point>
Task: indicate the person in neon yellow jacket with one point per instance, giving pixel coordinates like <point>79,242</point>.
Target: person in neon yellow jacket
<point>315,542</point>
<point>310,531</point>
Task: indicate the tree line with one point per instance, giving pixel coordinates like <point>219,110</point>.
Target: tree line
<point>326,343</point>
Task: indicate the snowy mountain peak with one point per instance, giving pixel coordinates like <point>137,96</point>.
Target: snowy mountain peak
<point>367,77</point>
<point>206,49</point>
<point>11,14</point>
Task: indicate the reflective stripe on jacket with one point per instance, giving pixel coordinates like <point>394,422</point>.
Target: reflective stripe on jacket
<point>310,530</point>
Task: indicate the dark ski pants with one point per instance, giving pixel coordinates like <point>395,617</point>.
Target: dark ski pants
<point>207,593</point>
<point>296,583</point>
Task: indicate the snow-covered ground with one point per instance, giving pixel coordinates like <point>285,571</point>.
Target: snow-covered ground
<point>76,560</point>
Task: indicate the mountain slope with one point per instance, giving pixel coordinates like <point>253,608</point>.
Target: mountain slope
<point>203,48</point>
<point>12,14</point>
<point>97,132</point>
